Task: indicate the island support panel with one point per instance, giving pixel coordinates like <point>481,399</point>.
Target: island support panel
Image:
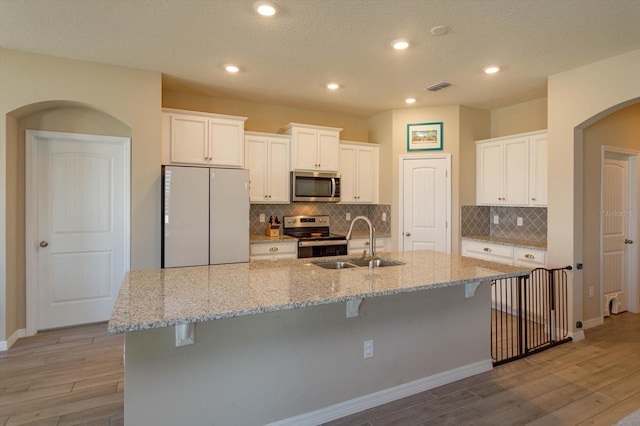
<point>259,369</point>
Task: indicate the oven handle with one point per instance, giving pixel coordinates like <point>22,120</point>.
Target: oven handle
<point>322,243</point>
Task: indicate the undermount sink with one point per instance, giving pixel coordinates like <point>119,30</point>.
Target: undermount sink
<point>351,263</point>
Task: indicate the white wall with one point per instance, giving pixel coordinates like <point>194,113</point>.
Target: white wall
<point>30,83</point>
<point>577,98</point>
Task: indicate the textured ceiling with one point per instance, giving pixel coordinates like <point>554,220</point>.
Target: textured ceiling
<point>288,58</point>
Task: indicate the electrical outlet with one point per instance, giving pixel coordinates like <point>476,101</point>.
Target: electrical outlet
<point>591,291</point>
<point>368,349</point>
<point>384,217</point>
<point>348,216</point>
<point>262,218</point>
<point>496,219</point>
<point>519,221</point>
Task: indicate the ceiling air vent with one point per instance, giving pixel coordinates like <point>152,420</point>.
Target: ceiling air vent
<point>438,86</point>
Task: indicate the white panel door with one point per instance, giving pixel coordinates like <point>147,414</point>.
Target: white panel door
<point>348,164</point>
<point>328,151</point>
<point>189,139</point>
<point>425,204</point>
<point>490,168</point>
<point>516,172</point>
<point>82,206</point>
<point>366,174</point>
<point>615,229</point>
<point>538,156</point>
<point>256,161</point>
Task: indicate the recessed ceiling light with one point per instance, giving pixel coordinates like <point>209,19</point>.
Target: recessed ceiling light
<point>410,100</point>
<point>231,68</point>
<point>333,86</point>
<point>400,44</point>
<point>440,30</point>
<point>266,8</point>
<point>492,70</point>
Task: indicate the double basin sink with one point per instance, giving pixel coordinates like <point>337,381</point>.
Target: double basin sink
<point>356,262</point>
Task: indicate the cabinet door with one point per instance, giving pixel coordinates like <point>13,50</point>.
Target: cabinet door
<point>189,137</point>
<point>348,178</point>
<point>305,149</point>
<point>516,172</point>
<point>328,151</point>
<point>226,139</point>
<point>278,171</point>
<point>366,170</point>
<point>256,162</point>
<point>538,153</point>
<point>489,173</point>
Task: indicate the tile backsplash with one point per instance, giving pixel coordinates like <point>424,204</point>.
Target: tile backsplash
<point>338,212</point>
<point>478,220</point>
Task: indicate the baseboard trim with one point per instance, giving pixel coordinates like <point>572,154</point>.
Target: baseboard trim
<point>5,345</point>
<point>593,322</point>
<point>365,402</point>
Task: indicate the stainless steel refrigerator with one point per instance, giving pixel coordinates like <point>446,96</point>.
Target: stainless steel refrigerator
<point>205,216</point>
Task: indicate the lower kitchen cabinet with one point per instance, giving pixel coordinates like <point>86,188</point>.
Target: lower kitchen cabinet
<point>274,250</point>
<point>505,254</point>
<point>358,245</point>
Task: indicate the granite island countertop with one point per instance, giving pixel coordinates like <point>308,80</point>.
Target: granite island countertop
<point>167,297</point>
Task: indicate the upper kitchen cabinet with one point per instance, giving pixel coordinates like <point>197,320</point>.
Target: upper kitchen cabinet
<point>359,172</point>
<point>314,148</point>
<point>267,158</point>
<point>512,170</point>
<point>538,153</point>
<point>202,138</point>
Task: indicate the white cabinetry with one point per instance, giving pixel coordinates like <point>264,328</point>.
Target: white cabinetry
<point>358,245</point>
<point>359,172</point>
<point>314,148</point>
<point>512,170</point>
<point>274,250</point>
<point>505,254</point>
<point>202,138</point>
<point>267,158</point>
<point>538,159</point>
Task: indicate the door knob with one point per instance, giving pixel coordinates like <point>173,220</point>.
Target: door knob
<point>44,243</point>
<point>408,234</point>
<point>626,241</point>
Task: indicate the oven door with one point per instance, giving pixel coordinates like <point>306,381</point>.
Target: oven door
<point>322,248</point>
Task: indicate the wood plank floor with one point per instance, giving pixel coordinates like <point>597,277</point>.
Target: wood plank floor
<point>72,376</point>
<point>592,382</point>
<point>75,376</point>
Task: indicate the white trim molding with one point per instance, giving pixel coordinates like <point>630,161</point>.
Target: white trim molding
<point>591,323</point>
<point>5,345</point>
<point>365,402</point>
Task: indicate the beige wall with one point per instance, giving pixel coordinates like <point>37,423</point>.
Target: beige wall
<point>519,118</point>
<point>268,117</point>
<point>474,125</point>
<point>30,83</point>
<point>381,132</point>
<point>576,99</point>
<point>621,129</point>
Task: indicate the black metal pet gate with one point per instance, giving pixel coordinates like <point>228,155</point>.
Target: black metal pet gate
<point>529,314</point>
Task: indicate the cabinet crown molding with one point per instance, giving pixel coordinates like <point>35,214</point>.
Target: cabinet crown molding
<point>517,135</point>
<point>287,129</point>
<point>204,114</point>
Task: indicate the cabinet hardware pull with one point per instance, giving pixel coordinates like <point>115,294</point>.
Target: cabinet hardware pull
<point>627,241</point>
<point>487,249</point>
<point>273,249</point>
<point>533,199</point>
<point>43,244</point>
<point>529,256</point>
<point>408,234</point>
<point>366,243</point>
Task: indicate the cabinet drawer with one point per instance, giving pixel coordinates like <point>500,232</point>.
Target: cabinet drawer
<point>274,248</point>
<point>486,251</point>
<point>530,257</point>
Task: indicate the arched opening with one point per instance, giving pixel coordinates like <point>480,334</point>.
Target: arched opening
<point>617,127</point>
<point>59,116</point>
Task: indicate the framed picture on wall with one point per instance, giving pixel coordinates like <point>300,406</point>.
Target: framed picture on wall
<point>424,136</point>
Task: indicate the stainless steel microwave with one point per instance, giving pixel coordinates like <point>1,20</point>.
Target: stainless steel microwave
<point>315,187</point>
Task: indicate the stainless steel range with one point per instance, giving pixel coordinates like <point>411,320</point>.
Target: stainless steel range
<point>314,237</point>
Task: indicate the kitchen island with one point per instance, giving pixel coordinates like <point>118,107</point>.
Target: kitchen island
<point>274,343</point>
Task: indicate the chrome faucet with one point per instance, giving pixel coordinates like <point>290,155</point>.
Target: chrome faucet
<point>372,245</point>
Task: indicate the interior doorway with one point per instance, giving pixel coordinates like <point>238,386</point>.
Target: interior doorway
<point>618,231</point>
<point>425,203</point>
<point>77,226</point>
